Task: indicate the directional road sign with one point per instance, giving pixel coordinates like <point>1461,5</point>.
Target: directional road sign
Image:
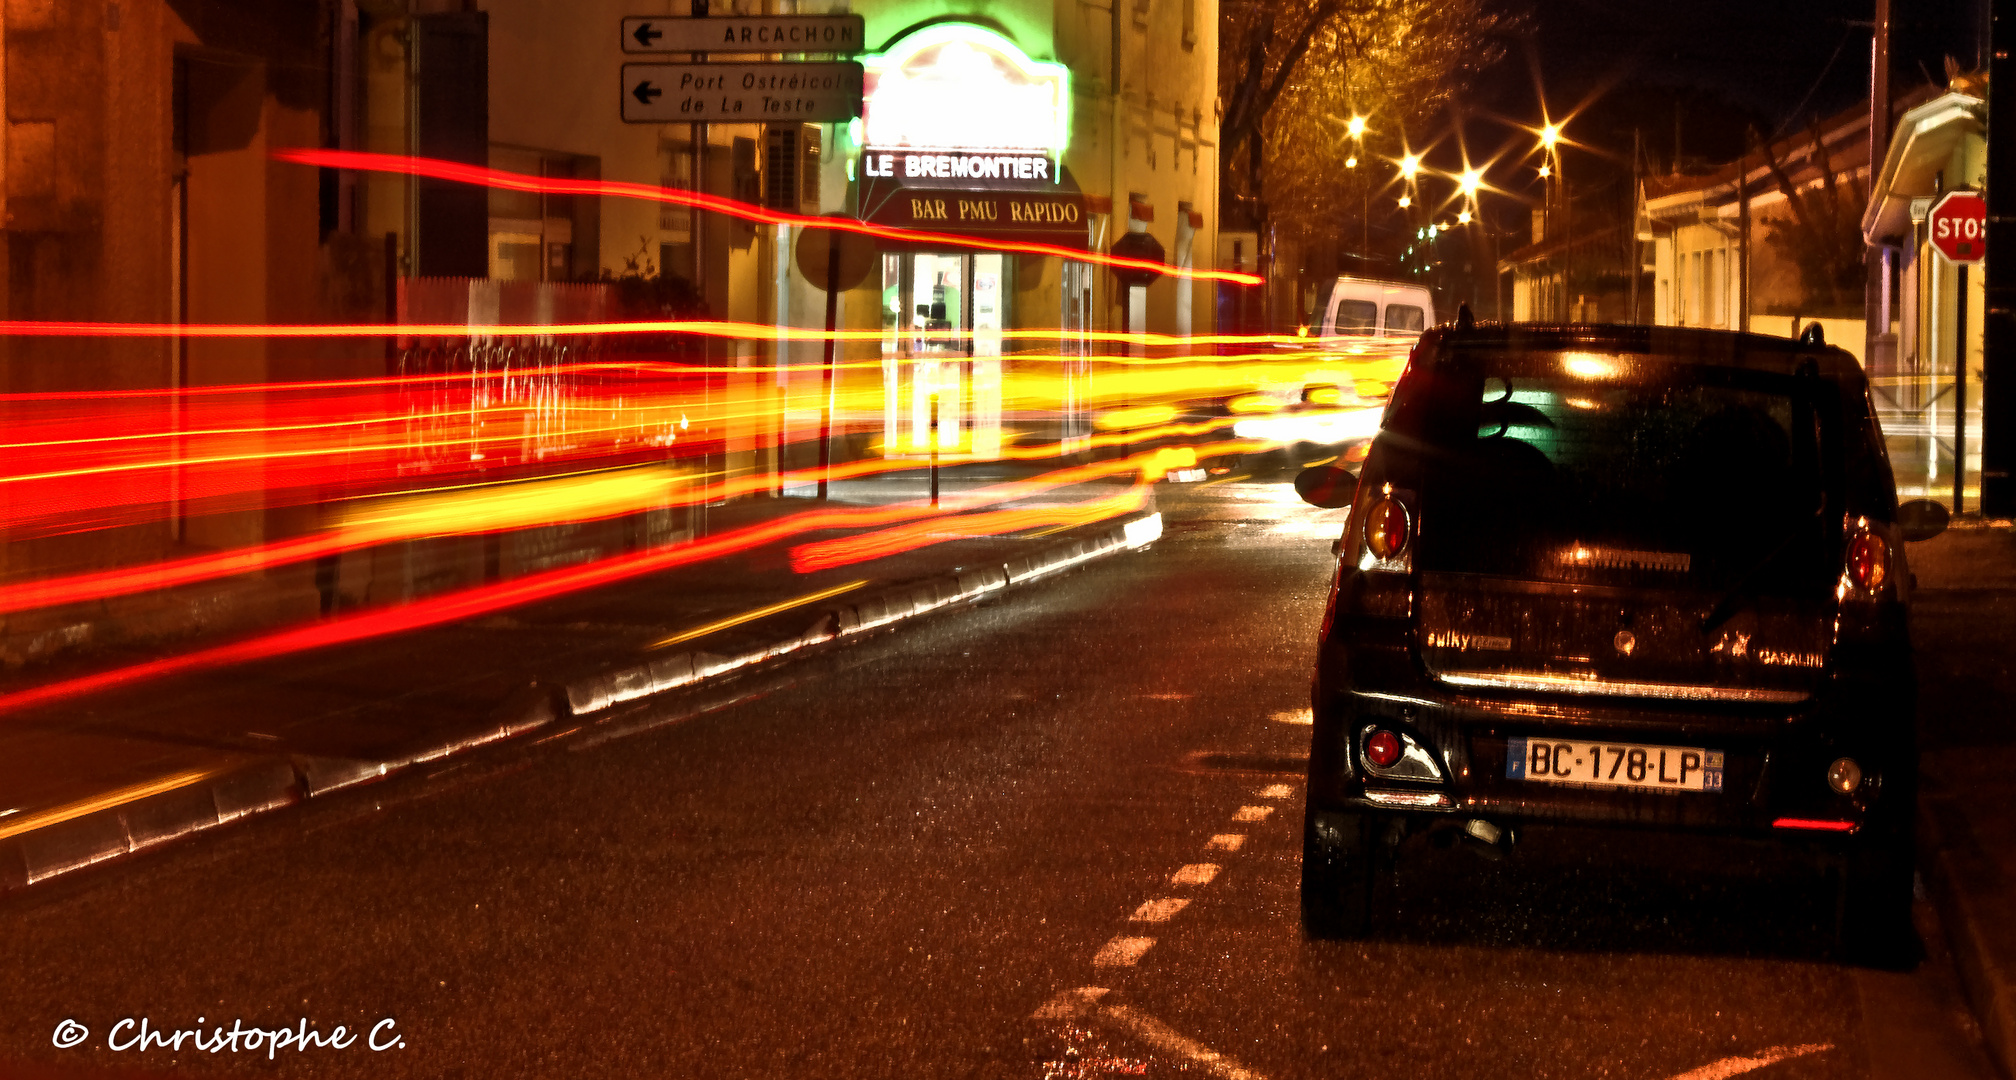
<point>1958,226</point>
<point>814,92</point>
<point>744,34</point>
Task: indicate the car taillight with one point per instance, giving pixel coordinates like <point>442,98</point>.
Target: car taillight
<point>1868,561</point>
<point>1387,528</point>
<point>1382,748</point>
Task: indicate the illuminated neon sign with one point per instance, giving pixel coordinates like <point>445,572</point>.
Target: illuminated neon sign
<point>956,86</point>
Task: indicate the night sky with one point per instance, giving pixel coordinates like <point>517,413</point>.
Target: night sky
<point>1765,55</point>
<point>1721,69</point>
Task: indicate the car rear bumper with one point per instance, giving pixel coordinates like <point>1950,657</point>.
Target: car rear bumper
<point>1773,778</point>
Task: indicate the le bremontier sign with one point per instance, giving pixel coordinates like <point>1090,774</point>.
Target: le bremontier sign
<point>956,105</point>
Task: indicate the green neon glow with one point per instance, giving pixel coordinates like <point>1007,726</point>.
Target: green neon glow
<point>981,38</point>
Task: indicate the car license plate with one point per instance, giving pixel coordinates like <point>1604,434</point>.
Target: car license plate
<point>1607,764</point>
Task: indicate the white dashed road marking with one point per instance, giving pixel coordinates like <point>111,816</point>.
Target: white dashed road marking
<point>1158,910</point>
<point>1126,950</point>
<point>1070,1003</point>
<point>1736,1066</point>
<point>1083,1004</point>
<point>1163,1038</point>
<point>1294,716</point>
<point>1122,951</point>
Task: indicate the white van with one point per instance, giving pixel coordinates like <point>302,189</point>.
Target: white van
<point>1364,307</point>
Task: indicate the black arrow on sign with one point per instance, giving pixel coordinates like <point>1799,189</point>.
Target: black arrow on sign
<point>646,93</point>
<point>645,35</point>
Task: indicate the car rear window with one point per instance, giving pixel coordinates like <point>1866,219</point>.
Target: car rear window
<point>1690,469</point>
<point>1357,316</point>
<point>1405,319</point>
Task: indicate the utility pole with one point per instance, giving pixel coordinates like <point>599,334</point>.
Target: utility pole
<point>698,227</point>
<point>1998,320</point>
<point>1874,318</point>
<point>1743,245</point>
<point>1634,264</point>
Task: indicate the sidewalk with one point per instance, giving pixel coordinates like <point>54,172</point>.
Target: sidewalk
<point>107,774</point>
<point>1964,628</point>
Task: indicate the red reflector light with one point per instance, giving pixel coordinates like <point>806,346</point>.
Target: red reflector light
<point>1386,528</point>
<point>1868,561</point>
<point>1814,824</point>
<point>1382,748</point>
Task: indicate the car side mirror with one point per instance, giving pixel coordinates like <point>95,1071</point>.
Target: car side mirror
<point>1327,486</point>
<point>1919,519</point>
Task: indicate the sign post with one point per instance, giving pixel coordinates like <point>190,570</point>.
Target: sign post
<point>834,261</point>
<point>1958,227</point>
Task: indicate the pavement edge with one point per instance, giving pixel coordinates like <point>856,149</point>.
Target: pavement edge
<point>1963,885</point>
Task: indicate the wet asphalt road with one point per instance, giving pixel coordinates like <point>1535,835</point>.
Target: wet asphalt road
<point>1055,836</point>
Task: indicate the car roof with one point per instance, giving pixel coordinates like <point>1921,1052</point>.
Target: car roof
<point>1673,344</point>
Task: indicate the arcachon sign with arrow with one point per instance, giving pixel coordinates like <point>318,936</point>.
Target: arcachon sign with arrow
<point>839,34</point>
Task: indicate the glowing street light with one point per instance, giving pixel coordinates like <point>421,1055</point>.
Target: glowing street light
<point>1356,127</point>
<point>1471,180</point>
<point>1463,217</point>
<point>1409,165</point>
<point>1351,162</point>
<point>1549,135</point>
<point>1546,171</point>
<point>1405,202</point>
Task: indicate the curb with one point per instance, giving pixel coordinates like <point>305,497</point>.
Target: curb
<point>1955,882</point>
<point>139,817</point>
<point>871,612</point>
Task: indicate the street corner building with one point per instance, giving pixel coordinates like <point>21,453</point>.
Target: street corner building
<point>146,182</point>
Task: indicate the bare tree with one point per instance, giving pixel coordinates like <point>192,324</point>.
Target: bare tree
<point>1823,237</point>
<point>1293,70</point>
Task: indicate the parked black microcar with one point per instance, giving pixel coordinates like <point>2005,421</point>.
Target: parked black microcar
<point>1624,577</point>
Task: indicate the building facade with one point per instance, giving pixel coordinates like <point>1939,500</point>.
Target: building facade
<point>1931,399</point>
<point>140,184</point>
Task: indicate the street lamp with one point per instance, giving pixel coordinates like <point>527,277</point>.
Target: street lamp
<point>1549,135</point>
<point>1356,127</point>
<point>1410,164</point>
<point>1470,181</point>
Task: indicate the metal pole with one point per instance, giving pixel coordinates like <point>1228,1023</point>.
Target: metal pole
<point>826,385</point>
<point>1960,390</point>
<point>698,226</point>
<point>1998,281</point>
<point>934,448</point>
<point>1743,248</point>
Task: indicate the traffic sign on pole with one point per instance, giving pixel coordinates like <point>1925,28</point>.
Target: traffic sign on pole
<point>1958,226</point>
<point>840,34</point>
<point>752,93</point>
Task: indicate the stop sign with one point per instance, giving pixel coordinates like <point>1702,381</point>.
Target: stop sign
<point>1959,226</point>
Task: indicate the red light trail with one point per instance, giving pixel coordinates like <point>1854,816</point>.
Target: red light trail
<point>125,581</point>
<point>482,600</point>
<point>436,169</point>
